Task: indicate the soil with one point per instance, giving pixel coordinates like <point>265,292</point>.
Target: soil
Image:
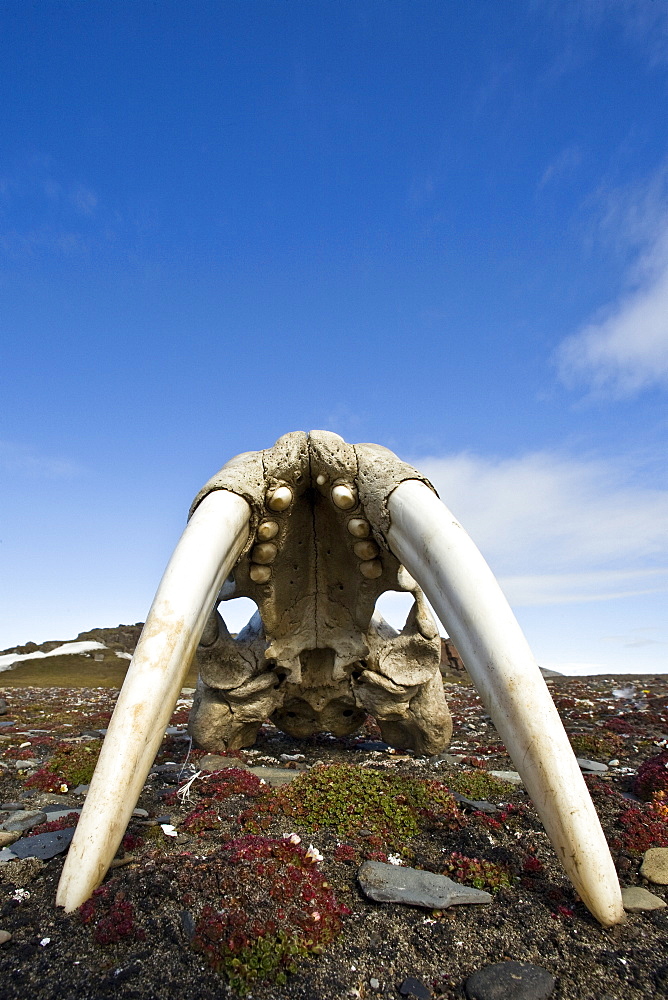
<point>538,919</point>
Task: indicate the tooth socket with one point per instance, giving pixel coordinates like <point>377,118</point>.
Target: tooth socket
<point>264,553</point>
<point>280,498</point>
<point>366,549</point>
<point>371,569</point>
<point>259,574</point>
<point>267,530</point>
<point>344,497</point>
<point>359,527</point>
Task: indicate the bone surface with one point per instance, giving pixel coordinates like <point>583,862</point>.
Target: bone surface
<point>318,656</point>
<point>456,579</point>
<point>207,551</point>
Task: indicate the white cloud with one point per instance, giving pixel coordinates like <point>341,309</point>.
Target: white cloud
<point>627,351</point>
<point>624,349</point>
<point>556,529</point>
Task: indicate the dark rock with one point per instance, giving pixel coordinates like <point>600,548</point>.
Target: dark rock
<point>43,845</point>
<point>396,884</point>
<point>187,923</point>
<point>412,987</point>
<point>480,805</point>
<point>4,708</point>
<point>510,981</point>
<point>23,819</point>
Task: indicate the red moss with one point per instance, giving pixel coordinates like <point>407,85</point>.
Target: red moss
<point>265,905</point>
<point>112,915</point>
<point>652,776</point>
<point>64,823</point>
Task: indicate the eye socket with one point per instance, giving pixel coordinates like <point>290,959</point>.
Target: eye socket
<point>347,712</point>
<point>271,665</point>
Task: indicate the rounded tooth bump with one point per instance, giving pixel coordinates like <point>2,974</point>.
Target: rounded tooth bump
<point>267,530</point>
<point>259,574</point>
<point>280,498</point>
<point>366,549</point>
<point>264,553</point>
<point>371,569</point>
<point>321,479</point>
<point>359,527</point>
<point>344,497</point>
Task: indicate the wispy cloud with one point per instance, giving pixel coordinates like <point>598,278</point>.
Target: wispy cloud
<point>563,165</point>
<point>45,214</point>
<point>624,349</point>
<point>23,460</point>
<point>557,529</point>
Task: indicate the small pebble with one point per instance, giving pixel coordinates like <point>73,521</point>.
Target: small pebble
<point>412,987</point>
<point>636,899</point>
<point>374,984</point>
<point>5,936</point>
<point>510,981</point>
<point>512,776</point>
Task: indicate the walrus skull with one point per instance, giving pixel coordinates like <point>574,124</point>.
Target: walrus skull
<point>314,530</point>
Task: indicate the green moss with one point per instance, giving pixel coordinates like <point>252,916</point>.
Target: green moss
<point>601,744</point>
<point>72,764</point>
<point>346,799</point>
<point>479,785</point>
<point>478,873</point>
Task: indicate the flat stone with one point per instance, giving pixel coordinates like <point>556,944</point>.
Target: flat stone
<point>412,987</point>
<point>510,981</point>
<point>23,819</point>
<point>43,845</point>
<point>8,837</point>
<point>5,936</point>
<point>10,806</point>
<point>655,865</point>
<point>396,884</point>
<point>141,813</point>
<point>81,790</point>
<point>8,722</point>
<point>7,855</point>
<point>446,758</point>
<point>59,813</point>
<point>480,805</point>
<point>214,762</point>
<point>593,766</point>
<point>512,776</point>
<point>25,765</point>
<point>636,899</point>
<point>275,776</point>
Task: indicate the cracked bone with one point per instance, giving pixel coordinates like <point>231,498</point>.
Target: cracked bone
<point>317,655</point>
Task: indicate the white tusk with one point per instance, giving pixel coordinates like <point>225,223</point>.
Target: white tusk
<point>436,550</point>
<point>206,553</point>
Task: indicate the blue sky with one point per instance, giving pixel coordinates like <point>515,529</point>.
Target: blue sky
<point>442,227</point>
